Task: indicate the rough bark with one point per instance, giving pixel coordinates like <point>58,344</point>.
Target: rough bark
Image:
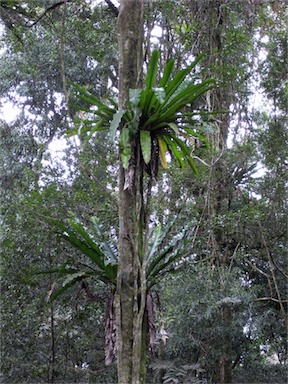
<point>131,279</point>
<point>130,42</point>
<point>219,185</point>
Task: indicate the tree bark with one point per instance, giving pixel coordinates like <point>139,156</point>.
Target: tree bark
<point>226,350</point>
<point>131,279</point>
<point>220,183</point>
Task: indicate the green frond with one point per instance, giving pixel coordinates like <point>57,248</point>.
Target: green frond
<point>134,96</point>
<point>146,145</point>
<point>174,84</point>
<point>174,150</point>
<point>125,147</point>
<point>152,70</point>
<point>162,152</point>
<point>59,287</point>
<point>117,117</point>
<point>187,153</point>
<point>81,240</point>
<point>91,99</point>
<point>161,258</point>
<point>108,248</point>
<point>167,73</point>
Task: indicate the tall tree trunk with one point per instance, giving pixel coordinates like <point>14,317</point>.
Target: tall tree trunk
<point>219,190</point>
<point>130,298</point>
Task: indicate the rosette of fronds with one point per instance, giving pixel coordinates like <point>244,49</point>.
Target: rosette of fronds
<point>101,255</point>
<point>98,258</point>
<point>181,374</point>
<point>161,118</point>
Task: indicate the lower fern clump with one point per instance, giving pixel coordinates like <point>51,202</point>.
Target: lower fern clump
<point>97,258</point>
<point>180,374</point>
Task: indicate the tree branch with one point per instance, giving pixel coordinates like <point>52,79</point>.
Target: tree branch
<point>270,299</point>
<point>272,272</point>
<point>112,7</point>
<point>50,8</point>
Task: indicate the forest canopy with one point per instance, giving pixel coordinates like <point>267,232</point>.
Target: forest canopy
<point>143,199</point>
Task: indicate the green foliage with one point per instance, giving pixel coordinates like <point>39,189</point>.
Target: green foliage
<point>146,145</point>
<point>31,78</point>
<point>164,255</point>
<point>157,113</point>
<point>261,373</point>
<point>202,294</point>
<point>102,258</point>
<point>179,374</point>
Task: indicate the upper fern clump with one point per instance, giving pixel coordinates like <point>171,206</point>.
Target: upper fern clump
<point>154,116</point>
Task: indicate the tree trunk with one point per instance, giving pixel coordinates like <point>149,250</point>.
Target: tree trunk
<point>131,280</point>
<point>219,187</point>
<point>226,350</point>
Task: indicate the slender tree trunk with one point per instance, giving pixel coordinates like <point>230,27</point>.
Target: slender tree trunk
<point>226,351</point>
<point>220,188</point>
<point>131,280</point>
<point>51,367</point>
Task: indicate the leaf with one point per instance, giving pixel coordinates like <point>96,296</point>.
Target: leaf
<point>85,235</point>
<point>146,145</point>
<point>110,249</point>
<point>115,124</point>
<point>186,96</point>
<point>157,239</point>
<point>124,139</point>
<point>152,69</point>
<point>158,259</point>
<point>72,277</point>
<point>67,283</point>
<point>91,99</point>
<point>174,150</point>
<point>133,123</point>
<point>176,82</point>
<point>93,252</point>
<point>134,96</point>
<point>125,147</point>
<point>148,102</point>
<point>174,126</point>
<point>186,152</point>
<point>180,76</point>
<point>167,73</point>
<point>125,158</point>
<point>113,102</point>
<point>165,265</point>
<point>154,241</point>
<point>162,153</point>
<point>160,94</point>
<point>81,127</point>
<point>192,135</point>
